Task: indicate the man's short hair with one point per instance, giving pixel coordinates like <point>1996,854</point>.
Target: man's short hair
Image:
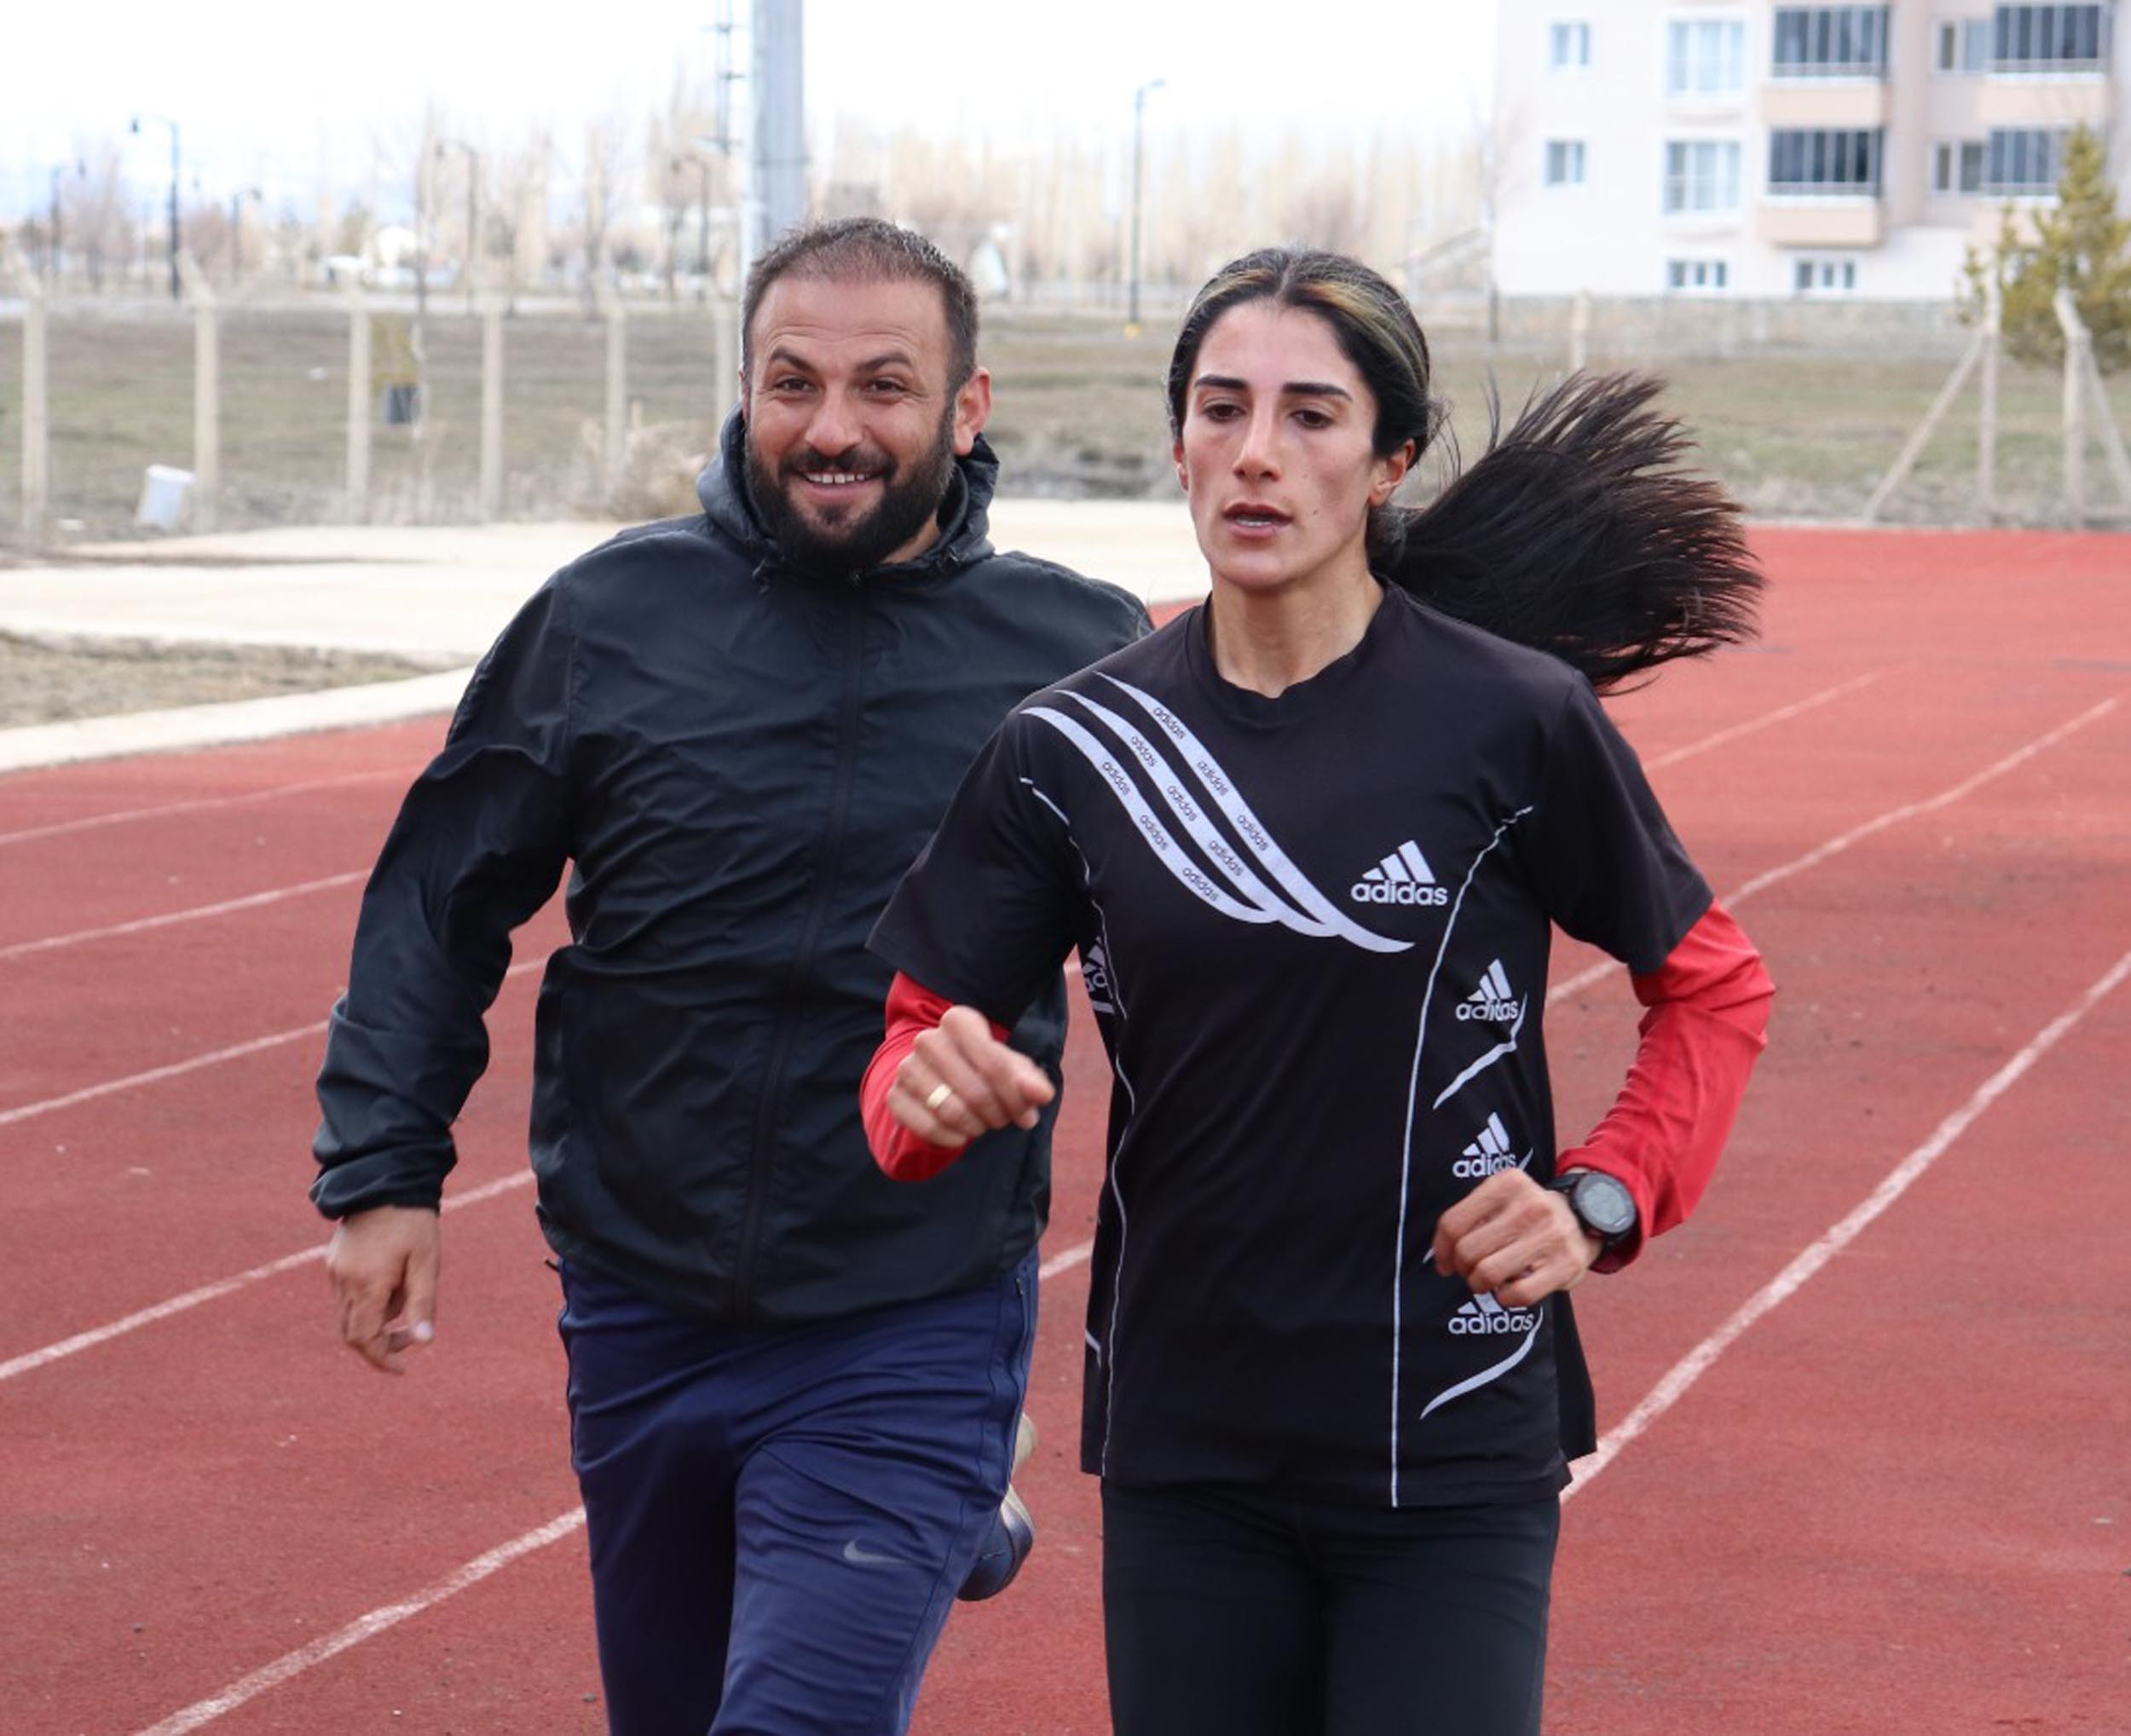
<point>868,249</point>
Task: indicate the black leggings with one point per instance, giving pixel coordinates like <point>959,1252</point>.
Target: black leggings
<point>1236,1612</point>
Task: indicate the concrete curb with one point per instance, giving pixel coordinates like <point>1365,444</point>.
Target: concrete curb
<point>235,721</point>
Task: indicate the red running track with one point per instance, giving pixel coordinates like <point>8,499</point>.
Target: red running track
<point>1866,1414</point>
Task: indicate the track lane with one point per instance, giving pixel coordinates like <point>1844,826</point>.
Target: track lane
<point>1021,1675</point>
<point>40,805</point>
<point>1899,1502</point>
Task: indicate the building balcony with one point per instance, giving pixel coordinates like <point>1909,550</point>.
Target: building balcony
<point>2050,102</point>
<point>1853,103</point>
<point>1813,220</point>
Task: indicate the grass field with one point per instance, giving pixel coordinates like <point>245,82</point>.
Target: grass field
<point>1078,412</point>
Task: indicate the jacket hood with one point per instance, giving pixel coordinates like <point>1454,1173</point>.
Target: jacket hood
<point>963,539</point>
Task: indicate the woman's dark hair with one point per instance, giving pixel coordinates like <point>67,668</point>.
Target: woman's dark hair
<point>1577,531</point>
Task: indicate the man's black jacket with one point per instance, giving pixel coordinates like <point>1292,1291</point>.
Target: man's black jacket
<point>740,761</point>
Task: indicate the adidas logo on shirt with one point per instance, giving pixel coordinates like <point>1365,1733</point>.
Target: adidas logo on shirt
<point>1493,1002</point>
<point>1483,1317</point>
<point>1094,970</point>
<point>1401,878</point>
<point>1488,1153</point>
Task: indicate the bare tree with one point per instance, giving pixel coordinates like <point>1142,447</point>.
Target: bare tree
<point>677,170</point>
<point>1328,204</point>
<point>518,219</point>
<point>601,181</point>
<point>100,229</point>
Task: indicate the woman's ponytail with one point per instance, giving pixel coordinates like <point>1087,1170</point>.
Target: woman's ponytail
<point>1578,533</point>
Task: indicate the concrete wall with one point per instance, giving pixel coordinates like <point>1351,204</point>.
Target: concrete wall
<point>1684,325</point>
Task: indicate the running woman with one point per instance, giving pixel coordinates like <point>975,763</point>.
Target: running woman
<point>1309,841</point>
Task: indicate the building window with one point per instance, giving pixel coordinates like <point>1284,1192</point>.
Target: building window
<point>1701,175</point>
<point>1564,162</point>
<point>1957,165</point>
<point>1567,47</point>
<point>1830,42</point>
<point>1836,276</point>
<point>1705,57</point>
<point>1961,45</point>
<point>2025,162</point>
<point>1843,161</point>
<point>1682,275</point>
<point>2050,39</point>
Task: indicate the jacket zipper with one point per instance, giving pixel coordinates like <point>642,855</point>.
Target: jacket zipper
<point>825,879</point>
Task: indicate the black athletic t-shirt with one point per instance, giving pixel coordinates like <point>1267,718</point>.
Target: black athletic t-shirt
<point>1314,931</point>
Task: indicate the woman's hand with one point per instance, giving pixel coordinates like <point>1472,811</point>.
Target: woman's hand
<point>960,1080</point>
<point>1514,1239</point>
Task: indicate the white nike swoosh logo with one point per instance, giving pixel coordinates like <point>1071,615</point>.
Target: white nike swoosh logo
<point>859,1555</point>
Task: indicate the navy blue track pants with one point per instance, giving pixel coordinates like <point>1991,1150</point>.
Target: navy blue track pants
<point>779,1517</point>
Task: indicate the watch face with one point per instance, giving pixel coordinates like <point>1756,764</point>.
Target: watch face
<point>1604,1202</point>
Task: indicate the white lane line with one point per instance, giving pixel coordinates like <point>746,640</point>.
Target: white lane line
<point>153,1076</point>
<point>1909,810</point>
<point>1560,991</point>
<point>1697,1362</point>
<point>197,913</point>
<point>126,816</point>
<point>1573,985</point>
<point>1779,715</point>
<point>1834,846</point>
<point>95,1336</point>
<point>221,1287</point>
<point>294,1664</point>
<point>1067,1260</point>
<point>89,1093</point>
<point>387,1615</point>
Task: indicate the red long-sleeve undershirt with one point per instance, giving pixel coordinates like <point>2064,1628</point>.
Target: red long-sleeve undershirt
<point>1707,1022</point>
<point>912,1008</point>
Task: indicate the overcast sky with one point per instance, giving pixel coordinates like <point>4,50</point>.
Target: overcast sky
<point>264,91</point>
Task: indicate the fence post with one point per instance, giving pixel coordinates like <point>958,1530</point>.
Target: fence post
<point>2105,423</point>
<point>206,394</point>
<point>1579,333</point>
<point>1987,416</point>
<point>2077,344</point>
<point>724,359</point>
<point>359,411</point>
<point>36,449</point>
<point>617,443</point>
<point>491,404</point>
<point>1920,436</point>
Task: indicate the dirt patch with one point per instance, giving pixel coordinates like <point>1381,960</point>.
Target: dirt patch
<point>50,681</point>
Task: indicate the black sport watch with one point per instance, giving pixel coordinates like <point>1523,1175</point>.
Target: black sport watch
<point>1601,1203</point>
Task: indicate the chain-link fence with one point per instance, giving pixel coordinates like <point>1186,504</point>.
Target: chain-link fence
<point>1800,416</point>
<point>122,392</point>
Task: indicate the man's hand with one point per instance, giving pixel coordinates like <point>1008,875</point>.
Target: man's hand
<point>988,1084</point>
<point>382,1265</point>
<point>1513,1238</point>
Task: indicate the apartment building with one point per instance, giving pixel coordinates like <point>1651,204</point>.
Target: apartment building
<point>1733,147</point>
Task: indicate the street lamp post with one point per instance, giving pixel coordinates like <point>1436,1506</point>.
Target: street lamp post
<point>176,289</point>
<point>473,208</point>
<point>1139,136</point>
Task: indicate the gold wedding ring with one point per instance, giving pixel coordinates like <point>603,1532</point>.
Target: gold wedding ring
<point>938,1095</point>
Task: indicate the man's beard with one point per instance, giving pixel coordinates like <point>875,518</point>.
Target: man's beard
<point>907,504</point>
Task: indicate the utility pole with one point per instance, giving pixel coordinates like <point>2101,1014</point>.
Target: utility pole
<point>1139,135</point>
<point>177,286</point>
<point>777,167</point>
